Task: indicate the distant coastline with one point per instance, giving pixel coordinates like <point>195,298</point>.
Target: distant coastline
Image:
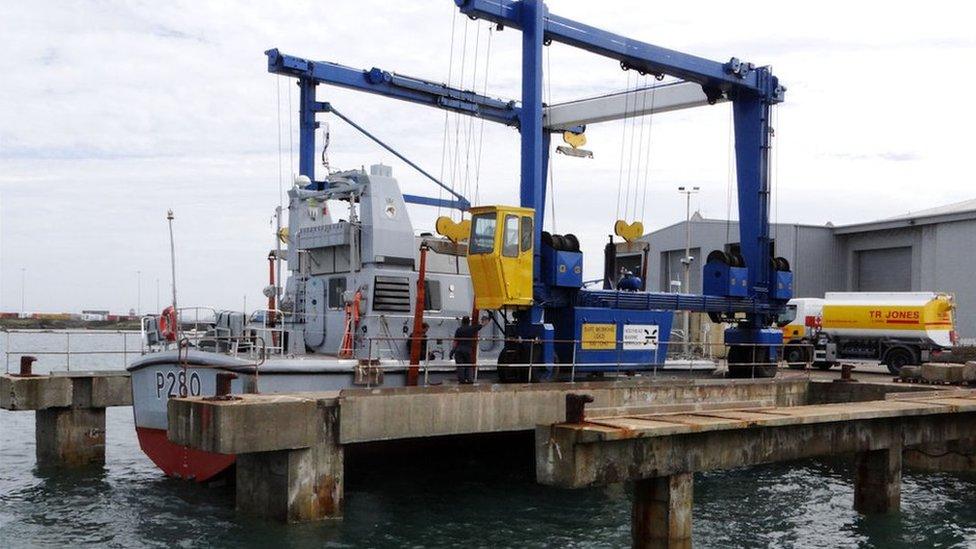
<point>62,324</point>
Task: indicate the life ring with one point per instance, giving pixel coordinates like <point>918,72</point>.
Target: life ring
<point>167,324</point>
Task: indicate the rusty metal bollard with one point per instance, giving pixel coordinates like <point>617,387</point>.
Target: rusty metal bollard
<point>846,371</point>
<point>223,383</point>
<point>26,363</point>
<point>575,407</point>
<point>222,391</point>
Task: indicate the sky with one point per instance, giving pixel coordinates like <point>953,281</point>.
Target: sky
<point>111,113</point>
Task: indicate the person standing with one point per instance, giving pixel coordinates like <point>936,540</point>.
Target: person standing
<point>424,355</point>
<point>465,338</point>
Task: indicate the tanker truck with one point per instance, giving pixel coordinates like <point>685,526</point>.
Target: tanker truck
<point>895,328</point>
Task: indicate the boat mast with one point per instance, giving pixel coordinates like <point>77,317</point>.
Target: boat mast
<point>172,263</point>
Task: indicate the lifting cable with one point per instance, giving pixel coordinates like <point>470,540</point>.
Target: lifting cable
<point>481,136</point>
<point>774,149</point>
<point>640,144</point>
<point>729,179</point>
<point>466,182</point>
<point>647,159</point>
<point>406,160</point>
<point>623,144</point>
<point>630,156</point>
<point>291,137</point>
<point>551,182</point>
<point>455,168</point>
<point>450,74</point>
<point>280,152</point>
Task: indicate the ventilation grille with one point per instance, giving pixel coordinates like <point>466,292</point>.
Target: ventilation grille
<point>391,293</point>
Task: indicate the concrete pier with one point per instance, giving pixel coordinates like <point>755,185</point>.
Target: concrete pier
<point>289,460</point>
<point>660,452</point>
<point>290,447</point>
<point>291,453</point>
<point>70,412</point>
<point>950,456</point>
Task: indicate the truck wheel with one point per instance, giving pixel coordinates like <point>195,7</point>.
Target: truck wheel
<point>896,358</point>
<point>796,357</point>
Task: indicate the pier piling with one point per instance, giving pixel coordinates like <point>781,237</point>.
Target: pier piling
<point>295,485</point>
<point>877,480</point>
<point>662,511</point>
<point>289,458</point>
<point>69,424</point>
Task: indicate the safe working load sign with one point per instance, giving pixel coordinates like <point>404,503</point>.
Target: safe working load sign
<point>599,336</point>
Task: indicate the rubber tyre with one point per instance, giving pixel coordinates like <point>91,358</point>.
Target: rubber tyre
<point>740,361</point>
<point>896,358</point>
<point>509,374</point>
<point>796,357</point>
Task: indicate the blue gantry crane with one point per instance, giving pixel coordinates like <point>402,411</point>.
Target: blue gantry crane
<point>564,322</point>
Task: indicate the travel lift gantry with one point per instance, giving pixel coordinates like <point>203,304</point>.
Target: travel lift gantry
<point>554,318</point>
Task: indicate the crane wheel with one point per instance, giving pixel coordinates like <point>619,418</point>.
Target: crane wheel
<point>746,362</point>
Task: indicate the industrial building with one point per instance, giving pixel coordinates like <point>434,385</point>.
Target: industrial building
<point>928,250</point>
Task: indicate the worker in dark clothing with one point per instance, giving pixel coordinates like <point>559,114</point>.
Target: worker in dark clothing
<point>423,343</point>
<point>465,339</point>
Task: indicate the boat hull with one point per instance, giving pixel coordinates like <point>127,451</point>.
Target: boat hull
<point>180,461</point>
<point>160,376</point>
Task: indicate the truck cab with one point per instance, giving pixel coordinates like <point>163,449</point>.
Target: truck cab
<point>799,322</point>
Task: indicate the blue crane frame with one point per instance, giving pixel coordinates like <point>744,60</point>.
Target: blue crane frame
<point>751,89</point>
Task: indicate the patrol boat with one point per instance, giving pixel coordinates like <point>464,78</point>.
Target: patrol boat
<point>345,317</point>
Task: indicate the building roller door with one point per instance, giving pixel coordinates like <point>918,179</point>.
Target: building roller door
<point>885,270</point>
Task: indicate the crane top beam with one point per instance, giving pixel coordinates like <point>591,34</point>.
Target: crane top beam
<point>716,78</point>
<point>388,84</point>
<point>644,101</point>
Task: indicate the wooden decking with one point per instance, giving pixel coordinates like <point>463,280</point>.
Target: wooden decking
<point>598,427</point>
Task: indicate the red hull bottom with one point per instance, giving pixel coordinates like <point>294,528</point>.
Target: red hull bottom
<point>181,461</point>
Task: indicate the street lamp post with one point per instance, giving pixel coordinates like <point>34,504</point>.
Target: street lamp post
<point>687,259</point>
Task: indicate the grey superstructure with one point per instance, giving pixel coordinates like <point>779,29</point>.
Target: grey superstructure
<point>370,249</point>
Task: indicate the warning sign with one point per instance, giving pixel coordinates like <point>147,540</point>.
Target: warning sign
<point>643,337</point>
<point>599,336</point>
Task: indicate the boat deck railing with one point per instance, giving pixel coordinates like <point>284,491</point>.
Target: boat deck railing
<point>262,334</point>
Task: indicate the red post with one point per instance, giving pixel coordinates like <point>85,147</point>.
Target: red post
<point>271,297</point>
<point>271,294</point>
<point>413,372</point>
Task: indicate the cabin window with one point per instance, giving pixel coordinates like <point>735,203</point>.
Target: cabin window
<point>432,295</point>
<point>787,316</point>
<point>337,287</point>
<point>482,234</point>
<point>510,244</point>
<point>527,234</point>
